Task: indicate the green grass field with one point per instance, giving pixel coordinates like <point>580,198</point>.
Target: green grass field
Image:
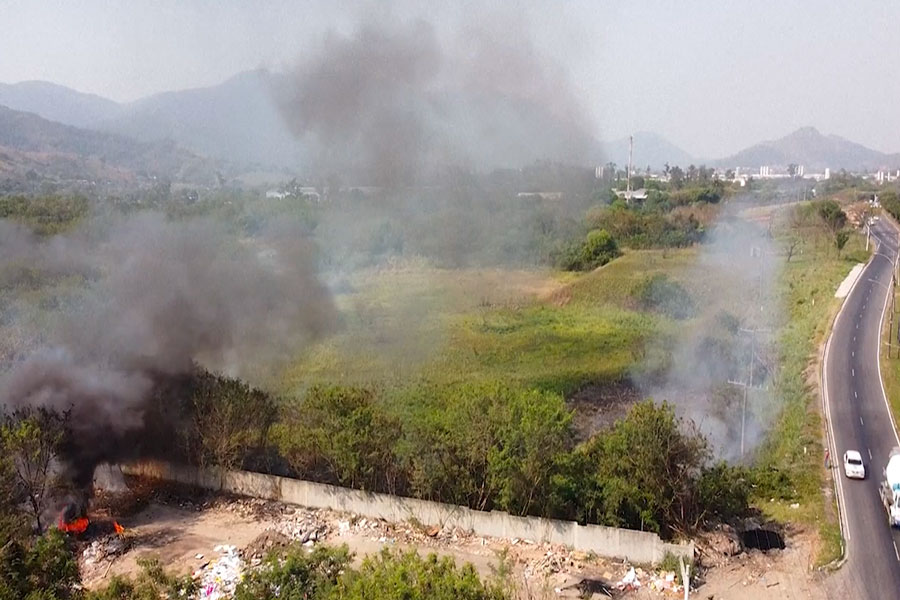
<point>535,328</point>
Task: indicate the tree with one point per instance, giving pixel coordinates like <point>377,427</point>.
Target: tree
<point>831,214</point>
<point>342,435</point>
<point>791,246</point>
<point>599,248</point>
<point>792,169</point>
<point>840,240</point>
<point>642,474</point>
<point>32,439</point>
<point>676,177</point>
<point>231,420</point>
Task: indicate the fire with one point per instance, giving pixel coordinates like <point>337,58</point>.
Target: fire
<point>119,529</point>
<point>76,526</point>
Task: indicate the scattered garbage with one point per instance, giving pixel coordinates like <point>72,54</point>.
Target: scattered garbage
<point>219,579</point>
<point>104,549</point>
<point>664,582</point>
<point>629,581</point>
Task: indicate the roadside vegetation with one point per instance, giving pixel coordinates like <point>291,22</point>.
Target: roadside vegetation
<point>890,348</point>
<point>790,463</point>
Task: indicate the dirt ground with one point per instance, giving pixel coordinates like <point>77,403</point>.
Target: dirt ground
<point>783,574</point>
<point>187,535</point>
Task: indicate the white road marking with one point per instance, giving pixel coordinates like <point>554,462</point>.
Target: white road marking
<point>870,453</point>
<point>897,554</point>
<point>852,372</point>
<point>854,395</point>
<point>853,353</point>
<point>861,421</point>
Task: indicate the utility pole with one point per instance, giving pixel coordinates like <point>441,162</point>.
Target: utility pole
<point>755,252</point>
<point>749,383</point>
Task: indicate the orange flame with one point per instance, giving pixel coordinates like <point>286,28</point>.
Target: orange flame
<point>76,526</point>
<point>119,529</point>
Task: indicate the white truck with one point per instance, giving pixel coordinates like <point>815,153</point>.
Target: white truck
<point>890,488</point>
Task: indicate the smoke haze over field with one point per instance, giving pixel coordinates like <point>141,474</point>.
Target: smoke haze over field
<point>733,283</point>
<point>162,295</point>
<point>392,104</point>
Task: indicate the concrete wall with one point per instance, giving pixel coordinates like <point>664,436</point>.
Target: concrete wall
<point>612,542</point>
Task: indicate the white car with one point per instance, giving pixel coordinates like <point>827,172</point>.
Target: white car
<point>853,465</point>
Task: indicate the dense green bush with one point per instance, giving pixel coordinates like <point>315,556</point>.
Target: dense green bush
<point>342,435</point>
<point>40,569</point>
<point>646,473</point>
<point>660,294</point>
<point>635,228</point>
<point>296,574</point>
<point>595,251</point>
<point>407,576</point>
<point>486,446</point>
<point>231,420</point>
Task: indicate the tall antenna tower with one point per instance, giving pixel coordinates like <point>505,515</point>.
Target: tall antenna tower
<point>630,167</point>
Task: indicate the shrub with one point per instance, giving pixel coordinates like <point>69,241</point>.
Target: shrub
<point>597,250</point>
<point>231,419</point>
<point>660,294</point>
<point>408,576</point>
<point>342,435</point>
<point>295,574</point>
<point>44,569</point>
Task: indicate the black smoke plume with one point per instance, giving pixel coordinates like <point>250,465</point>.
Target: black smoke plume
<point>394,105</point>
<point>159,297</point>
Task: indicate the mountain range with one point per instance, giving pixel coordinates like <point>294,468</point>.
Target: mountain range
<point>30,142</point>
<point>238,122</point>
<point>815,151</point>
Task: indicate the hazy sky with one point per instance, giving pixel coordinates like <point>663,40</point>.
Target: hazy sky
<point>712,76</point>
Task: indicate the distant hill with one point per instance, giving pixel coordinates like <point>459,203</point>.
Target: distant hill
<point>813,150</point>
<point>27,140</point>
<point>58,103</point>
<point>649,149</point>
<point>236,120</point>
<point>239,121</point>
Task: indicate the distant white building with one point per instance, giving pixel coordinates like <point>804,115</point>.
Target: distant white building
<point>887,176</point>
<point>638,195</point>
<point>275,195</point>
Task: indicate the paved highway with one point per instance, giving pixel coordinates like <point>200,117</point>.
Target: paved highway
<point>859,419</point>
